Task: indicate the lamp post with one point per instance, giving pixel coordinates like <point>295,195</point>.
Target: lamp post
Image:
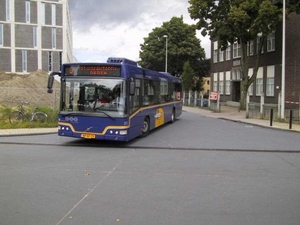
<point>283,64</point>
<point>166,69</point>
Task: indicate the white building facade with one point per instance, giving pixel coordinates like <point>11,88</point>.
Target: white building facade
<point>35,34</point>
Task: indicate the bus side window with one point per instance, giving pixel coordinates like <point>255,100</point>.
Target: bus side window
<point>178,92</point>
<point>135,100</point>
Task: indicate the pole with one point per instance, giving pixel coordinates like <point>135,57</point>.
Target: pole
<point>271,117</point>
<point>291,119</point>
<point>283,64</point>
<point>166,69</point>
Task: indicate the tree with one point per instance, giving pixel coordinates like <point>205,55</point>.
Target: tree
<point>240,21</point>
<point>188,77</point>
<point>183,45</point>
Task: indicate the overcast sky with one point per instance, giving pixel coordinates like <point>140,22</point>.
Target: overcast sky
<point>116,28</point>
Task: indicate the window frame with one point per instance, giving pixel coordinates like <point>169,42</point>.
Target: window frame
<point>53,14</point>
<point>259,82</point>
<point>7,10</point>
<point>53,37</point>
<point>270,86</point>
<point>24,60</point>
<point>35,36</point>
<point>228,53</point>
<point>271,42</point>
<point>227,83</point>
<point>43,13</point>
<point>27,11</point>
<point>215,56</point>
<point>236,50</point>
<point>1,35</point>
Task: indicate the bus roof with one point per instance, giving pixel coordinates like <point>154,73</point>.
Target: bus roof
<point>133,69</point>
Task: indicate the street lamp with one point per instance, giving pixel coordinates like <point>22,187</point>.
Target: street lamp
<point>283,64</point>
<point>166,69</point>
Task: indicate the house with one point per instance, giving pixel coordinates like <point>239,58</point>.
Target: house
<point>35,34</point>
<point>205,86</point>
<point>226,67</point>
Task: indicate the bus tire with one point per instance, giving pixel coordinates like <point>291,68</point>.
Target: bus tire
<point>146,127</point>
<point>173,116</point>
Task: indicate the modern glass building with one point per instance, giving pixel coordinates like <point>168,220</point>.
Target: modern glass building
<point>35,34</point>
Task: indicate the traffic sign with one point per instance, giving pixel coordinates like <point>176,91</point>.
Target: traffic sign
<point>213,95</point>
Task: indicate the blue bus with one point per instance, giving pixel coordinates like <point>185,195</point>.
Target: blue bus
<point>116,100</point>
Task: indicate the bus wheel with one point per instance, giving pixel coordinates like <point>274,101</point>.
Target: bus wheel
<point>146,127</point>
<point>173,116</point>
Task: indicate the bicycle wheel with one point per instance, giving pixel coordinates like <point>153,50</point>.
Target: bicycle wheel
<point>39,117</point>
<point>16,117</point>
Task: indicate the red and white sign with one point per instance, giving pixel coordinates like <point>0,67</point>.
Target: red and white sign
<point>213,95</point>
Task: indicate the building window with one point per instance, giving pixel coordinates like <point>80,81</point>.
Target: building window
<point>7,9</point>
<point>236,74</point>
<point>35,38</point>
<point>271,42</point>
<point>24,60</point>
<point>215,82</point>
<point>50,60</point>
<point>53,14</point>
<point>259,82</point>
<point>236,50</point>
<point>227,84</point>
<point>1,34</point>
<point>250,48</point>
<point>53,37</point>
<point>42,17</point>
<point>215,52</point>
<point>27,11</point>
<point>221,82</point>
<point>270,80</point>
<point>228,53</point>
<point>250,88</point>
<point>259,45</point>
<point>221,55</point>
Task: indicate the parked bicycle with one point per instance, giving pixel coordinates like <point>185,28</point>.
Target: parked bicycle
<point>18,116</point>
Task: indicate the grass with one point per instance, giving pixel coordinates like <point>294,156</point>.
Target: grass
<point>51,121</point>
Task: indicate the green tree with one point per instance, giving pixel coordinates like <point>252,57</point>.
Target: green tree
<point>240,21</point>
<point>188,77</point>
<point>182,46</point>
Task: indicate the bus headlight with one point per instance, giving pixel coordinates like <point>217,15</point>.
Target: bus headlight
<point>63,128</point>
<point>123,132</point>
<point>118,132</point>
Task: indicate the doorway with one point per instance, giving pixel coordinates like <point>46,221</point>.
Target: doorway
<point>236,91</point>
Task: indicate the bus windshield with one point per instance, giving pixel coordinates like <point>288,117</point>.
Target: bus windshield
<point>98,96</point>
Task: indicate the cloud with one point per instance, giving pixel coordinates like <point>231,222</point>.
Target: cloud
<point>102,29</point>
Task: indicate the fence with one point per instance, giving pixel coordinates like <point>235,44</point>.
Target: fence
<point>194,99</point>
<point>292,112</point>
<point>255,111</point>
<point>11,97</point>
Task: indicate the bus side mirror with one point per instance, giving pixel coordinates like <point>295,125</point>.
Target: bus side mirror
<point>132,88</point>
<point>50,84</point>
<point>50,81</point>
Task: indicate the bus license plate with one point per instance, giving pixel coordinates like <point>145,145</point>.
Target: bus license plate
<point>88,136</point>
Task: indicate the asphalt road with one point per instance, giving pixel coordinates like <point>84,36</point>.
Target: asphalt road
<point>196,171</point>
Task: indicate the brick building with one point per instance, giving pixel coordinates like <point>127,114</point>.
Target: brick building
<point>226,66</point>
<point>35,34</point>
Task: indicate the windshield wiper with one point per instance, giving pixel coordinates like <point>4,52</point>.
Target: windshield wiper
<point>97,109</point>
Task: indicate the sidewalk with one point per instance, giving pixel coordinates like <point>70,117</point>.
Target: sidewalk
<point>27,131</point>
<point>227,112</point>
<point>233,114</point>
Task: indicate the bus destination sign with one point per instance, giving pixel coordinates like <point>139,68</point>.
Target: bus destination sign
<point>92,70</point>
